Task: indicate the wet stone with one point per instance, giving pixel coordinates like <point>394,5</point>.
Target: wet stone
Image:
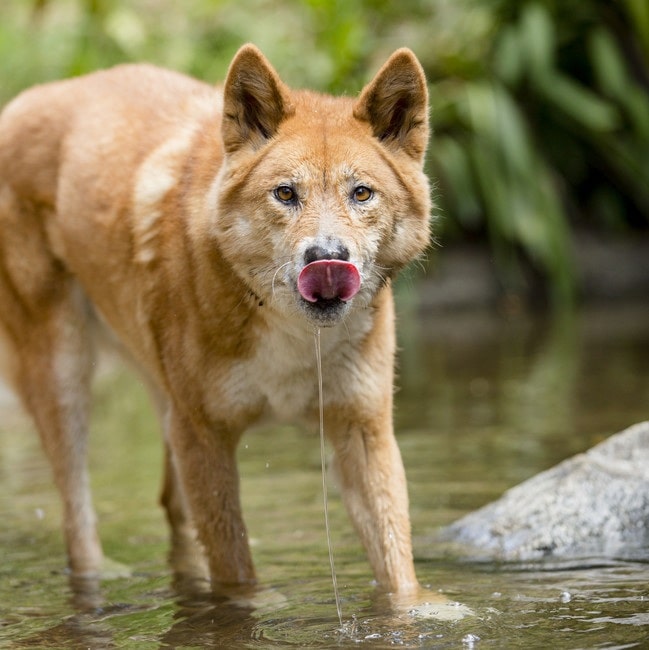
<point>593,504</point>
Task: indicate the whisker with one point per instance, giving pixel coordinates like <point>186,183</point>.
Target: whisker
<point>349,334</point>
<point>272,284</point>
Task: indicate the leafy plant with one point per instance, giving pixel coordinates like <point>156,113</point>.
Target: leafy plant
<point>553,134</point>
<point>540,107</point>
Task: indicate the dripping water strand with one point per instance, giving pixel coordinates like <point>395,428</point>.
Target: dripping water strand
<point>318,356</point>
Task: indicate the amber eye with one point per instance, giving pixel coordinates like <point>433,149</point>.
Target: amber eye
<point>362,194</point>
<point>285,194</point>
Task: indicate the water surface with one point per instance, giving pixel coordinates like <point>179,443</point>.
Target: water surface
<point>485,402</point>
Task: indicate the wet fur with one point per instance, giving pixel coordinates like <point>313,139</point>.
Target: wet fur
<point>143,201</point>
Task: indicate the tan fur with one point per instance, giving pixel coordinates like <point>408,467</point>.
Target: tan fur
<point>144,200</point>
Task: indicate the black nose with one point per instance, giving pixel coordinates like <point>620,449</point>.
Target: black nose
<point>334,252</point>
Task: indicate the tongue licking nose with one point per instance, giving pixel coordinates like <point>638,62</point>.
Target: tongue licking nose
<point>329,279</point>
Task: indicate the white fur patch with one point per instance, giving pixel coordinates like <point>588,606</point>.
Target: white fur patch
<point>281,376</point>
<point>157,175</point>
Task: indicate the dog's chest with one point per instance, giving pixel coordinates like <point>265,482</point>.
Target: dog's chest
<point>280,380</point>
<point>283,373</point>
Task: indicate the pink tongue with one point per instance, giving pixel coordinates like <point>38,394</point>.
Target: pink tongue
<point>329,279</point>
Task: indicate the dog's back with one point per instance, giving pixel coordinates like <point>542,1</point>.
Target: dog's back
<point>71,170</point>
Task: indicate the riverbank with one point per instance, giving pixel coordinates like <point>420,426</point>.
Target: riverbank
<point>607,271</point>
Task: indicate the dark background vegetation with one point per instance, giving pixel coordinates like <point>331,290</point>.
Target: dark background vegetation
<point>540,107</point>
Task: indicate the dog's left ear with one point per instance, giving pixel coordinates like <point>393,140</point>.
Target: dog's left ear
<point>395,103</point>
<point>255,101</point>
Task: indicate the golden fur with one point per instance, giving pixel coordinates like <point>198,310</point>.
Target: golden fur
<point>148,202</point>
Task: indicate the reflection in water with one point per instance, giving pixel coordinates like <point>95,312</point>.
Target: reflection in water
<point>484,404</point>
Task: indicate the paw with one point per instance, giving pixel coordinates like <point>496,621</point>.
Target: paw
<point>426,604</point>
<point>106,570</point>
<point>261,601</point>
<point>112,570</point>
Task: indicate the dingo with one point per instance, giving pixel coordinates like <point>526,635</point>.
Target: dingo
<point>210,230</point>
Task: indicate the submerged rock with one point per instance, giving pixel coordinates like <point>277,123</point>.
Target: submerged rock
<point>595,503</point>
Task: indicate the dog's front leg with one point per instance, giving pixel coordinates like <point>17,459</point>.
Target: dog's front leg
<point>206,462</point>
<point>374,490</point>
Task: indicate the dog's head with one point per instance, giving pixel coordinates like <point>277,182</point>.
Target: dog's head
<point>322,199</point>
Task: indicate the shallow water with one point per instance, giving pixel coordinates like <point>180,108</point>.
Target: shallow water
<point>485,402</point>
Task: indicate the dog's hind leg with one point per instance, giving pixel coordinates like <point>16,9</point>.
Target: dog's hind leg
<point>54,371</point>
<point>44,320</point>
<point>187,556</point>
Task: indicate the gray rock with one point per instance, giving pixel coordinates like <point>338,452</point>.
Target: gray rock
<point>595,503</point>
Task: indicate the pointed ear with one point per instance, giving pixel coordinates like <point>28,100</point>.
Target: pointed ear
<point>255,101</point>
<point>395,103</point>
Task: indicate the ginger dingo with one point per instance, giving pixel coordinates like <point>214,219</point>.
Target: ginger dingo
<point>209,230</point>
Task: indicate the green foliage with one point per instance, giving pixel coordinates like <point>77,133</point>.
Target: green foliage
<point>551,135</point>
<point>332,45</point>
<point>540,107</point>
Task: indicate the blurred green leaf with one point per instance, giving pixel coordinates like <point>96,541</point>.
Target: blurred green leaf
<point>639,13</point>
<point>508,55</point>
<point>454,171</point>
<point>538,38</point>
<point>608,65</point>
<point>614,81</point>
<point>582,105</point>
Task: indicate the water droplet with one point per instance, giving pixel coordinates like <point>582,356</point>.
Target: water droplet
<point>469,640</point>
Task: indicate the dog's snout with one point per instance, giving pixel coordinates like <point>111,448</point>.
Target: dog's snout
<point>335,252</point>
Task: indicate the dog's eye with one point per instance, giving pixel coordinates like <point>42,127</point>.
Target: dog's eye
<point>285,194</point>
<point>362,193</point>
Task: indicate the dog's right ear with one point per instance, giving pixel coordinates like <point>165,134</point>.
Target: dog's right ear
<point>255,101</point>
